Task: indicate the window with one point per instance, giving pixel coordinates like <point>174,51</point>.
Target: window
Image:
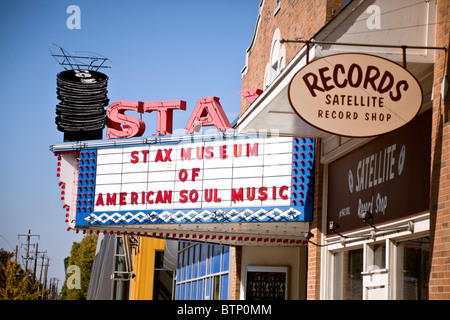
<point>162,279</point>
<point>413,260</point>
<point>267,283</point>
<point>277,6</point>
<point>224,287</point>
<point>277,60</point>
<point>207,268</point>
<point>216,295</point>
<point>376,257</point>
<point>348,268</point>
<point>274,59</point>
<point>203,254</point>
<point>216,255</point>
<point>382,270</point>
<point>274,70</point>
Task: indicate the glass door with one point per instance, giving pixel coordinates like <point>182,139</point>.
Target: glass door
<point>348,268</point>
<point>413,260</point>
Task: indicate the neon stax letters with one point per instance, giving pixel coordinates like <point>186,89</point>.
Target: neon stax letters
<point>207,112</point>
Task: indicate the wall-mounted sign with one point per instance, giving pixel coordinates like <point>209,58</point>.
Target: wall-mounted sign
<point>389,177</point>
<point>355,95</point>
<point>220,180</point>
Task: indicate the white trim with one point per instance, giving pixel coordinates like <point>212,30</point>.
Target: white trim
<point>252,43</point>
<point>326,278</point>
<point>389,272</point>
<point>277,8</point>
<point>356,238</point>
<point>277,58</point>
<point>185,138</point>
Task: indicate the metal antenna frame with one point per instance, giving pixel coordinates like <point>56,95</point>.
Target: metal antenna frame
<point>79,60</point>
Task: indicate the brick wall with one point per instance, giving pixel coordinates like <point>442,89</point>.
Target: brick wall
<point>294,19</point>
<point>313,278</point>
<point>302,19</point>
<point>439,285</point>
<point>236,256</point>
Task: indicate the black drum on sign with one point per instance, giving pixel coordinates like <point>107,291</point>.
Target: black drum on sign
<point>81,113</point>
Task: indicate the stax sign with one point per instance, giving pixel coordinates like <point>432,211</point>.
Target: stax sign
<point>355,95</point>
<point>194,175</point>
<point>207,112</point>
<point>239,179</point>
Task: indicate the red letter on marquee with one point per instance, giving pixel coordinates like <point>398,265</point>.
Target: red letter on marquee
<point>122,198</point>
<point>100,200</point>
<point>186,154</point>
<point>237,195</point>
<point>223,152</point>
<point>208,106</point>
<point>159,156</point>
<point>165,114</point>
<point>262,193</point>
<point>110,199</point>
<point>183,196</point>
<point>282,195</point>
<point>209,152</point>
<point>117,121</point>
<point>134,156</point>
<point>134,198</point>
<point>182,175</point>
<point>195,172</point>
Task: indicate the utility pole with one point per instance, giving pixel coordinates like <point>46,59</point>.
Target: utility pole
<point>35,263</point>
<point>45,274</point>
<point>29,235</point>
<point>53,290</point>
<point>41,285</point>
<point>42,266</point>
<point>56,289</point>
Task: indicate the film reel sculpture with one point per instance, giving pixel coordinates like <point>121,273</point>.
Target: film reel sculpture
<point>82,92</point>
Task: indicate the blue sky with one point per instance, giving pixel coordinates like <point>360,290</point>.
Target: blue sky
<point>160,50</point>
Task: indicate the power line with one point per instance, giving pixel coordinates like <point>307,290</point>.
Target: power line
<point>9,244</point>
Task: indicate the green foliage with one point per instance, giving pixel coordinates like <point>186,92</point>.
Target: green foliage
<point>15,283</point>
<point>81,257</point>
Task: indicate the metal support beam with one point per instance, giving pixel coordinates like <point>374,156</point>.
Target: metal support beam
<point>313,42</point>
<point>403,47</point>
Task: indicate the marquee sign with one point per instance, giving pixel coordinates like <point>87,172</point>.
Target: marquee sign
<point>355,95</point>
<point>221,181</point>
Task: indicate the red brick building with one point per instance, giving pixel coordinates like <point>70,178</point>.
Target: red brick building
<point>402,250</point>
<point>376,223</point>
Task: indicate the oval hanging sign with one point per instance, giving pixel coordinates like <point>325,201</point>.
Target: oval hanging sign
<point>355,95</point>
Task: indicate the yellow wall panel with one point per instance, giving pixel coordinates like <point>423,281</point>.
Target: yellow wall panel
<point>143,268</point>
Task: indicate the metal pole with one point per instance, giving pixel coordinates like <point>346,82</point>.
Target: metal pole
<point>41,286</point>
<point>362,44</point>
<point>35,263</point>
<point>307,51</point>
<point>404,56</point>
